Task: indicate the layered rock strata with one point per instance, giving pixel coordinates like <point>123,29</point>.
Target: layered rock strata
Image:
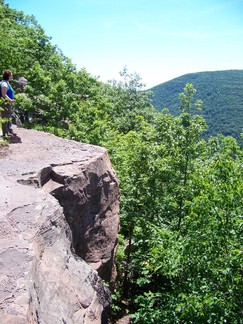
<point>59,204</point>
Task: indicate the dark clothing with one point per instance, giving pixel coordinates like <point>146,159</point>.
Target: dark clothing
<point>6,113</point>
<point>6,110</point>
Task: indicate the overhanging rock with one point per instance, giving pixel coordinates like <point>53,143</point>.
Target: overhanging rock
<point>50,248</point>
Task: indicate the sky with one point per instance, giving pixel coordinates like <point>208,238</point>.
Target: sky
<point>157,39</point>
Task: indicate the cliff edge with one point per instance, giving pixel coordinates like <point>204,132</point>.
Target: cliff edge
<point>59,203</point>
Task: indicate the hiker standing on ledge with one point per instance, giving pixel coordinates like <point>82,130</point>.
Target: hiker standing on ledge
<point>7,93</point>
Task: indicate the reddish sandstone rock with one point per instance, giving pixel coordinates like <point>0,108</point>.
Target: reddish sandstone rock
<point>59,203</point>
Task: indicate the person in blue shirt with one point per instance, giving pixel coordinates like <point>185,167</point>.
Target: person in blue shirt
<point>7,94</point>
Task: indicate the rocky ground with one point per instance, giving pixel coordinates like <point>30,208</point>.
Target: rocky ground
<point>59,202</point>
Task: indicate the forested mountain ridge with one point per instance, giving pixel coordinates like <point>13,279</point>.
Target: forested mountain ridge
<point>179,257</point>
<point>221,93</point>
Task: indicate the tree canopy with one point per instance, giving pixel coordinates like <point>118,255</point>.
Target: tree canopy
<point>221,93</point>
<point>180,256</point>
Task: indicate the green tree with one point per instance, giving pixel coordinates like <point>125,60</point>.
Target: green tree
<point>180,252</point>
<point>128,100</point>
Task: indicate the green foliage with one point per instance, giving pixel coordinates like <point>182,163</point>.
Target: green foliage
<point>180,246</point>
<point>221,93</point>
<point>182,217</point>
<point>200,266</point>
<point>55,88</point>
<point>128,101</point>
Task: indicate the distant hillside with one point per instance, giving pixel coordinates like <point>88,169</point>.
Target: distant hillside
<point>221,93</point>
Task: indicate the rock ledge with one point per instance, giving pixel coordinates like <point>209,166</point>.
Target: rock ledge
<point>59,203</point>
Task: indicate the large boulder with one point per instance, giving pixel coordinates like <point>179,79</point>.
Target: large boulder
<point>59,204</point>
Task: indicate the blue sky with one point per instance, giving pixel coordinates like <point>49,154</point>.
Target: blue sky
<point>158,39</point>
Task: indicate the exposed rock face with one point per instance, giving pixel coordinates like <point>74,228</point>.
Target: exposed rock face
<point>59,203</point>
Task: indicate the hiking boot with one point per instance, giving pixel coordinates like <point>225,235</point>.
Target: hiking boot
<point>11,132</point>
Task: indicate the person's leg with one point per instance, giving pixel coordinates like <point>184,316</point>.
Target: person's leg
<point>10,123</point>
<point>9,126</point>
<point>4,116</point>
